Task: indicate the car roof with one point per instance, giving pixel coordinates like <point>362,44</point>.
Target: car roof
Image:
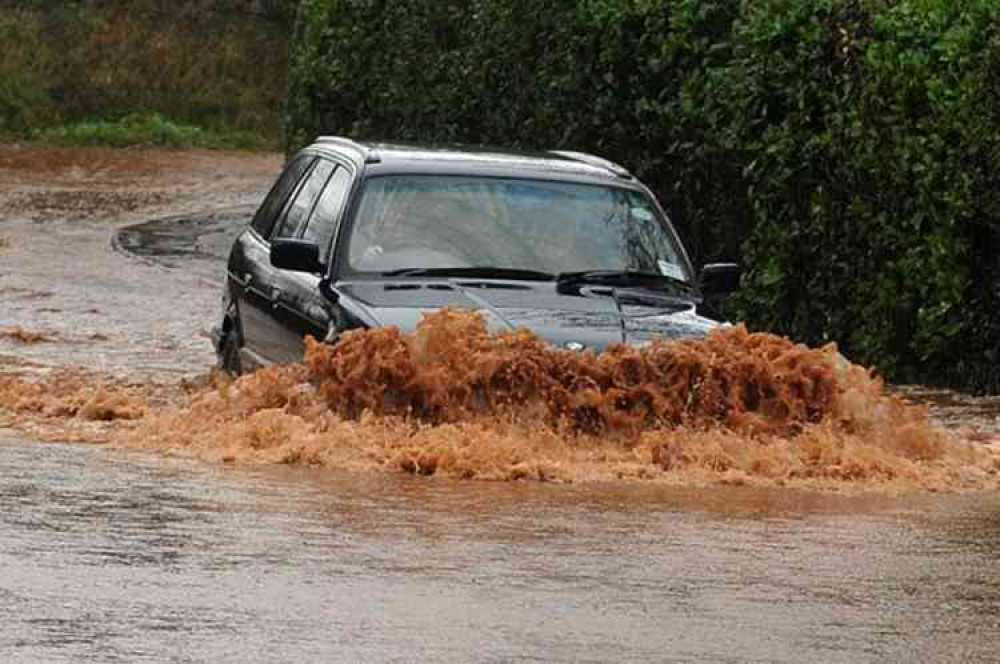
<point>396,158</point>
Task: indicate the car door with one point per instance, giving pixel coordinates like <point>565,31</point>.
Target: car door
<point>250,265</point>
<point>302,308</point>
<point>281,340</point>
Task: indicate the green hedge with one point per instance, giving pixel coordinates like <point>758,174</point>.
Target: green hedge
<point>217,64</point>
<point>845,150</point>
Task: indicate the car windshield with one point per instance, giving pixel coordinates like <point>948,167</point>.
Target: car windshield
<point>433,221</point>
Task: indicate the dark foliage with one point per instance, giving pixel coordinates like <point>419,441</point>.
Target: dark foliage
<point>218,64</point>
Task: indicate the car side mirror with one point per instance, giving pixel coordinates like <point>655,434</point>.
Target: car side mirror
<point>720,278</point>
<point>296,255</point>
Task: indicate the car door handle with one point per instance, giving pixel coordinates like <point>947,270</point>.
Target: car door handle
<point>242,280</point>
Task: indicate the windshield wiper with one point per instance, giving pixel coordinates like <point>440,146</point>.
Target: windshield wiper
<point>646,298</point>
<point>482,272</point>
<point>618,278</point>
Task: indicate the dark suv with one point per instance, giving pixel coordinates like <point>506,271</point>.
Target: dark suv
<point>361,235</point>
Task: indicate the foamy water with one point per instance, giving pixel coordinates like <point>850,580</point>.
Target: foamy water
<point>453,400</point>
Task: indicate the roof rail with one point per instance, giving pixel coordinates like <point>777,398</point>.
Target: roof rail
<point>594,160</point>
<point>370,155</point>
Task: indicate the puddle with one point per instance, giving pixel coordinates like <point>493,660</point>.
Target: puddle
<point>177,241</point>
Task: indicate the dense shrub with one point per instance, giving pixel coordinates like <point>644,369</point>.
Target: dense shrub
<point>218,64</point>
<point>874,135</point>
<point>845,150</point>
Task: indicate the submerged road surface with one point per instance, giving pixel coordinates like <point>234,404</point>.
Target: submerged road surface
<point>112,557</point>
<point>109,556</point>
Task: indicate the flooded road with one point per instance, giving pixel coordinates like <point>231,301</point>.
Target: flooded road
<point>101,308</point>
<point>109,555</point>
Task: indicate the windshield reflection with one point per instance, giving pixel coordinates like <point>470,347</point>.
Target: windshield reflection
<point>432,221</point>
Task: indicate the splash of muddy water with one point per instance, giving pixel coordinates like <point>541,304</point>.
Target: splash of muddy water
<point>454,400</point>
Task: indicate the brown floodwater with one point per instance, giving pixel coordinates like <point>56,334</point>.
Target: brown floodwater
<point>318,535</point>
<point>127,557</point>
<point>108,310</point>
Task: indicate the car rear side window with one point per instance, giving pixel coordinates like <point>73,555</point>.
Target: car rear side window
<point>263,221</point>
<point>322,225</point>
<point>298,209</point>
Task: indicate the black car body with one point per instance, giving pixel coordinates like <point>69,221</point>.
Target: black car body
<point>363,235</point>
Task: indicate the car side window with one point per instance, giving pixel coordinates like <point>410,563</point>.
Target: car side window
<point>322,225</point>
<point>298,209</point>
<point>263,220</point>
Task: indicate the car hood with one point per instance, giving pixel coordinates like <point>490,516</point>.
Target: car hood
<point>591,318</point>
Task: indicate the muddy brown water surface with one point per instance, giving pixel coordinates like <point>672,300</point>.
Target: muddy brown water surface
<point>60,276</point>
<point>108,554</point>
